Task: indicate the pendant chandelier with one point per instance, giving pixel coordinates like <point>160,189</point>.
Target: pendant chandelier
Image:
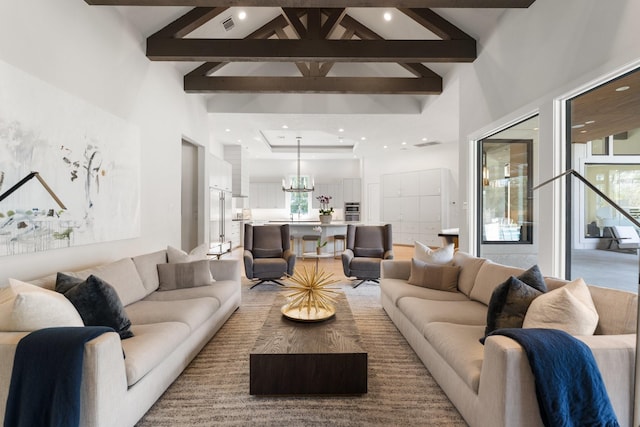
<point>299,187</point>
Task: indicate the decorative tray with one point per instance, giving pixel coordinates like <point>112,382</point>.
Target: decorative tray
<point>304,315</point>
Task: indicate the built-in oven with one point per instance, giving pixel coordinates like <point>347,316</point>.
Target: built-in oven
<point>352,211</point>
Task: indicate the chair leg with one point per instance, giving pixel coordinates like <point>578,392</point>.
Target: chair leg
<point>365,280</point>
<point>261,281</point>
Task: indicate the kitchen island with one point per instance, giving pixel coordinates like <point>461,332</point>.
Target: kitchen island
<point>298,229</point>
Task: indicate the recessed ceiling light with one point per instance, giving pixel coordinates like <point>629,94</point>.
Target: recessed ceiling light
<point>227,130</point>
<point>622,88</point>
<point>583,131</point>
<point>424,139</point>
<point>404,142</point>
<point>384,146</point>
<point>589,122</point>
<point>240,140</point>
<point>387,16</point>
<point>535,128</point>
<point>340,130</point>
<point>242,15</point>
<point>285,127</point>
<point>577,126</point>
<point>363,138</point>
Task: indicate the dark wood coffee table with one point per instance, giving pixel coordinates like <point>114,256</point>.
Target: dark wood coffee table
<point>292,357</point>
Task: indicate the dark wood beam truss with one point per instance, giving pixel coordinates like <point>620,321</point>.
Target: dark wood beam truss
<point>309,38</point>
<point>475,4</point>
<point>312,52</point>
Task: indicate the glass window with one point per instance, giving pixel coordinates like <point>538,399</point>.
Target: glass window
<point>600,147</point>
<point>627,143</point>
<point>506,214</point>
<point>299,202</point>
<point>619,182</point>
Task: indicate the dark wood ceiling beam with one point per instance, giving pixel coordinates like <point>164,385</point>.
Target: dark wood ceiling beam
<point>334,16</point>
<point>327,66</point>
<point>342,85</point>
<point>436,24</point>
<point>230,50</point>
<point>189,22</point>
<point>293,18</point>
<point>314,24</point>
<point>367,33</point>
<point>474,4</point>
<point>264,32</point>
<point>302,66</point>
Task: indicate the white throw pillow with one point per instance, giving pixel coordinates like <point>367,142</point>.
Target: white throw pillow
<point>175,255</point>
<point>25,308</point>
<point>178,256</point>
<point>442,255</point>
<point>569,308</point>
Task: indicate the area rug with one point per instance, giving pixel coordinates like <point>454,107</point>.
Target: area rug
<point>214,389</point>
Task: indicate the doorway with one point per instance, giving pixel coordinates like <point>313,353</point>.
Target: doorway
<point>189,196</point>
<point>603,143</point>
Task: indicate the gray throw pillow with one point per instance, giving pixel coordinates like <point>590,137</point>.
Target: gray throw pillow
<point>509,304</point>
<point>184,275</point>
<point>434,276</point>
<point>96,301</point>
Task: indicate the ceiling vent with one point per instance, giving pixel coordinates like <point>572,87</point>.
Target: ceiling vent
<point>427,144</point>
<point>228,23</point>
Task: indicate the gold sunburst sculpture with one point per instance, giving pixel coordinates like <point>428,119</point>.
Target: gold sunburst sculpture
<point>308,292</point>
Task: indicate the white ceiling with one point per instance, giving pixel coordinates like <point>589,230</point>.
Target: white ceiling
<point>369,122</point>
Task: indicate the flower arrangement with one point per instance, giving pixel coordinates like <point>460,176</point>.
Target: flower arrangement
<point>319,243</point>
<point>325,209</point>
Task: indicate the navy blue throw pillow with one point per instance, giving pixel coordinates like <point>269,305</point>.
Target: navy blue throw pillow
<point>96,301</point>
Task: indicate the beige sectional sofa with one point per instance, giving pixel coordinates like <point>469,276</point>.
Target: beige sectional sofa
<point>170,328</point>
<point>492,384</point>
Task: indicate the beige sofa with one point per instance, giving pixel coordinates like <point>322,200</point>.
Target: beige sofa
<point>492,384</point>
<point>170,328</point>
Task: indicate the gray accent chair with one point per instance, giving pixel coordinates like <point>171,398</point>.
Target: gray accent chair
<point>366,247</point>
<point>267,253</point>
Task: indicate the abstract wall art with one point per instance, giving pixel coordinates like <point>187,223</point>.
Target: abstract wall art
<point>89,158</point>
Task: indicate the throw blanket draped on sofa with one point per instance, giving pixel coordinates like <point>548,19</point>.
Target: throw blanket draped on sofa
<point>569,386</point>
<point>46,377</point>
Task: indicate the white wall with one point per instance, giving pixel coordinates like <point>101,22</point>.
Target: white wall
<point>92,53</point>
<point>535,56</point>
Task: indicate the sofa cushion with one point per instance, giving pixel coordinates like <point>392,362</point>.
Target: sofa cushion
<point>184,275</point>
<point>443,255</point>
<point>395,289</point>
<point>617,310</point>
<point>147,266</point>
<point>421,312</point>
<point>96,301</point>
<point>192,312</point>
<point>25,308</point>
<point>222,290</point>
<point>150,345</point>
<point>569,308</point>
<point>470,266</point>
<point>459,345</point>
<point>122,275</point>
<point>489,276</point>
<point>509,304</point>
<point>434,276</point>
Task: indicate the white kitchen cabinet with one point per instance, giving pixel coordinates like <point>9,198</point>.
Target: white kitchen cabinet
<point>333,190</point>
<point>351,190</point>
<point>266,195</point>
<point>416,205</point>
<point>219,174</point>
<point>236,156</point>
<point>235,233</point>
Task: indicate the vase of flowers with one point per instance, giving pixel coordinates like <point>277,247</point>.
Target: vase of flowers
<point>326,211</point>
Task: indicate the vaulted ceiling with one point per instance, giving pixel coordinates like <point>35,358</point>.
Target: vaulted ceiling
<point>302,52</point>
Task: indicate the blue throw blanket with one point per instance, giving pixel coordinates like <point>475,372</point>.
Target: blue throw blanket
<point>569,386</point>
<point>46,376</point>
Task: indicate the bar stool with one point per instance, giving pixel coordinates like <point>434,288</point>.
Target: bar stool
<point>339,238</point>
<point>309,238</point>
